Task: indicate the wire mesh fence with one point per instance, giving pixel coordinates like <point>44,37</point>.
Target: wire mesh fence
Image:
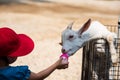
<point>96,63</point>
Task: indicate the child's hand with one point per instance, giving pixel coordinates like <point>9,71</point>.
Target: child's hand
<point>62,63</point>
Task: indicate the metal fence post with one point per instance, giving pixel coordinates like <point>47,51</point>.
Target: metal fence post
<point>119,27</point>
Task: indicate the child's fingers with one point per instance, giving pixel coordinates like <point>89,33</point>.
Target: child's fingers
<point>66,66</point>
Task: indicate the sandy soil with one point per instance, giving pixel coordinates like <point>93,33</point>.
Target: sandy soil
<point>44,21</point>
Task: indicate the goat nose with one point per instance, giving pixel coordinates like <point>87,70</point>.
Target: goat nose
<point>63,50</point>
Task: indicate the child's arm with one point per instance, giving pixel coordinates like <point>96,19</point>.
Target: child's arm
<point>45,73</point>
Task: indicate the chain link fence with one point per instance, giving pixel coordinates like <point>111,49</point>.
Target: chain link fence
<point>96,63</point>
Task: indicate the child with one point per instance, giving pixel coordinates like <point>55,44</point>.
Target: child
<point>13,45</point>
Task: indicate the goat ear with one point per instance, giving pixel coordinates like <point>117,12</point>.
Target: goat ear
<point>70,25</point>
<point>85,27</point>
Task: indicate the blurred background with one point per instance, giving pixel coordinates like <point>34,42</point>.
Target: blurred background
<point>44,20</point>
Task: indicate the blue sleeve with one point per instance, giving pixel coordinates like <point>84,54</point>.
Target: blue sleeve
<point>24,72</point>
<point>15,73</point>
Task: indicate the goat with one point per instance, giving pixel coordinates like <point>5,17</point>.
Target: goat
<point>72,40</point>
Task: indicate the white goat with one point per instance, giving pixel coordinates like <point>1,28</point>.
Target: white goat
<point>74,40</point>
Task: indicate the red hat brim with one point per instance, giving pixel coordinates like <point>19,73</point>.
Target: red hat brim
<point>25,47</point>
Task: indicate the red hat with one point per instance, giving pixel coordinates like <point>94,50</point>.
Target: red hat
<point>13,44</point>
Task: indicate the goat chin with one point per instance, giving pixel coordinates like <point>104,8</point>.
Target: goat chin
<point>71,54</point>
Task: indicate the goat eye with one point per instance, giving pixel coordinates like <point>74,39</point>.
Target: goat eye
<point>71,36</point>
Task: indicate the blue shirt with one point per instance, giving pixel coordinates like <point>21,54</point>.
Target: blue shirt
<point>15,73</point>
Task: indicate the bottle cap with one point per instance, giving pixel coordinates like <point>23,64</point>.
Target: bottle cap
<point>64,55</point>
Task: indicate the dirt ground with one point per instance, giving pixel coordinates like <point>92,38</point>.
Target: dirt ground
<point>44,21</point>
